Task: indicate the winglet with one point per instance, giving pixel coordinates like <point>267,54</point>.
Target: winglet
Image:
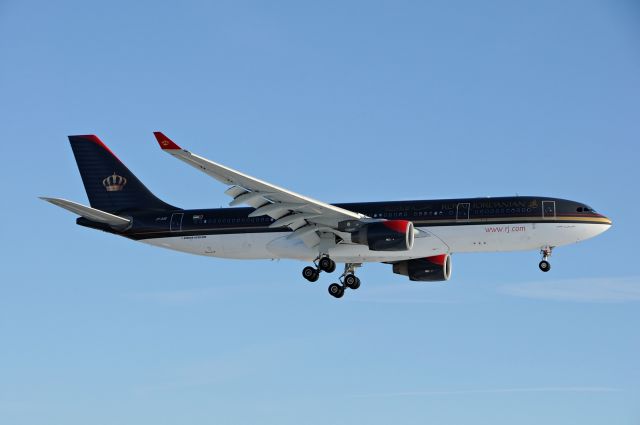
<point>164,142</point>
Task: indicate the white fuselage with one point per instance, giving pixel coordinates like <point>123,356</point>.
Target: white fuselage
<point>435,240</point>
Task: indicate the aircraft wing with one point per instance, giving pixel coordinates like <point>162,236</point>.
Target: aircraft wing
<point>307,217</point>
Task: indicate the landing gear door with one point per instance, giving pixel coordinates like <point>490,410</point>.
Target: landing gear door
<point>176,222</point>
<point>549,209</point>
<point>462,213</point>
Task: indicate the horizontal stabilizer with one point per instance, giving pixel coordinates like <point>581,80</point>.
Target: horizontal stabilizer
<point>89,213</point>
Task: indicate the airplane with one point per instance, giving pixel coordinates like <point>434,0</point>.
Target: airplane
<point>417,238</point>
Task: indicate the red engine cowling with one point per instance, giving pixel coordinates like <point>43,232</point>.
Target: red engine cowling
<point>390,235</point>
<point>430,269</point>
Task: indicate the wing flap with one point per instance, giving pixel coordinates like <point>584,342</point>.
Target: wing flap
<point>249,198</point>
<point>292,218</point>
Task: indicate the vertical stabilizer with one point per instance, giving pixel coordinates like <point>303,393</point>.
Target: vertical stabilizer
<point>109,184</point>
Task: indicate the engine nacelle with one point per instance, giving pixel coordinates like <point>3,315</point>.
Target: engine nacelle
<point>430,269</point>
<point>390,235</point>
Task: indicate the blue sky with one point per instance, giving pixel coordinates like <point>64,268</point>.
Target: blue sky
<point>342,101</point>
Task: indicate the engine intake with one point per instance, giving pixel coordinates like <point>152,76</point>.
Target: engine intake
<point>390,235</point>
<point>430,269</point>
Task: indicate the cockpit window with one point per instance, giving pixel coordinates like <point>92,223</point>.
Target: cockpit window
<point>586,209</point>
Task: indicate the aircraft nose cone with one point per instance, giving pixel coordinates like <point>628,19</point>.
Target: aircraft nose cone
<point>599,225</point>
<point>605,223</point>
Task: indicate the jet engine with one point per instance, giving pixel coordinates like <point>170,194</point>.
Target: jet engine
<point>430,269</point>
<point>390,235</point>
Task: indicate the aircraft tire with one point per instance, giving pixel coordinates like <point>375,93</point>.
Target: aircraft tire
<point>310,273</point>
<point>336,290</point>
<point>544,265</point>
<point>351,281</point>
<point>326,264</point>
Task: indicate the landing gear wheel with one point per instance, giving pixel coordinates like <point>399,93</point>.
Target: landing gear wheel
<point>310,274</point>
<point>336,290</point>
<point>546,253</point>
<point>332,268</point>
<point>544,266</point>
<point>357,285</point>
<point>351,281</point>
<point>326,264</point>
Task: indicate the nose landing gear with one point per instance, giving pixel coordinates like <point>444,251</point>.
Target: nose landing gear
<point>544,265</point>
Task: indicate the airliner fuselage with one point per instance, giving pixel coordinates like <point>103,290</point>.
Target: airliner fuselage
<point>449,226</point>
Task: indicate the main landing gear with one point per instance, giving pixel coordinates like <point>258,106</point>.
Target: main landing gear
<point>322,264</point>
<point>544,265</point>
<point>348,278</point>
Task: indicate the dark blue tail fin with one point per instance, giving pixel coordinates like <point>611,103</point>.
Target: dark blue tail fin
<point>109,184</point>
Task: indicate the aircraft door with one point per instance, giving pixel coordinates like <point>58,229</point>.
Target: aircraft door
<point>176,222</point>
<point>462,211</point>
<point>549,209</point>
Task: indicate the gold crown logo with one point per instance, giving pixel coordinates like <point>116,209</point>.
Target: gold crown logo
<point>114,183</point>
